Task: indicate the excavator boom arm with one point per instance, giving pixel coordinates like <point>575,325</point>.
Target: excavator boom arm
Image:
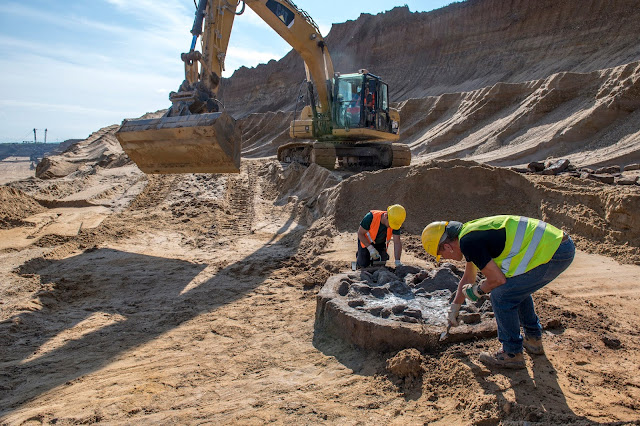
<point>294,25</point>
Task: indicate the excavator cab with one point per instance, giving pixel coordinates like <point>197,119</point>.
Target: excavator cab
<point>362,106</point>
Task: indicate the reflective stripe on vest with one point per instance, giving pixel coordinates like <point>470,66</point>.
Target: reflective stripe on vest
<point>375,226</point>
<point>529,242</point>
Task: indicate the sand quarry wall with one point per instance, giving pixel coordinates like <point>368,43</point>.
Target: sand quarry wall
<point>459,48</point>
<point>593,119</point>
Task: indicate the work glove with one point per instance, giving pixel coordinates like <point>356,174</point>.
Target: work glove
<point>472,292</point>
<point>452,318</point>
<point>373,252</point>
<point>398,263</point>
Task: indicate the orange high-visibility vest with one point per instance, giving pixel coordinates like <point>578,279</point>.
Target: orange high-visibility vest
<point>375,226</point>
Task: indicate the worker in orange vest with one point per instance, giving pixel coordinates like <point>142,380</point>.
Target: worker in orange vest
<point>377,229</point>
<point>369,107</point>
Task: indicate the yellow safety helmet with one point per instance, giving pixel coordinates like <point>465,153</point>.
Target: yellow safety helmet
<point>432,235</point>
<point>396,215</point>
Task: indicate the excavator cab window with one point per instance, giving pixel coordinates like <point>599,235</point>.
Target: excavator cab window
<point>362,101</point>
<point>349,101</point>
<point>384,97</point>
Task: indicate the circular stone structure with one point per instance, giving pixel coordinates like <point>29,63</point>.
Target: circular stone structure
<point>384,310</point>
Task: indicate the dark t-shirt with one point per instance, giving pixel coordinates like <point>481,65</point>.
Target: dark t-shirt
<point>479,247</point>
<point>382,230</point>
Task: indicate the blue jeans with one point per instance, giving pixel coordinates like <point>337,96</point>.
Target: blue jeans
<point>512,302</point>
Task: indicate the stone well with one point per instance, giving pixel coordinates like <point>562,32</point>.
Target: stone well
<point>385,310</point>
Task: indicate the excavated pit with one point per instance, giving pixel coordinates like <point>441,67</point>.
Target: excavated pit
<point>386,310</point>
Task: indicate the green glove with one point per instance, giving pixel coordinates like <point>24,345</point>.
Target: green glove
<point>472,292</point>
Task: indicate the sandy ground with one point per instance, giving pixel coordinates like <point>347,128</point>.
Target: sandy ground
<point>15,168</point>
<point>196,304</point>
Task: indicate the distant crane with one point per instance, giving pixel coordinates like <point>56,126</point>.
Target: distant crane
<point>35,135</point>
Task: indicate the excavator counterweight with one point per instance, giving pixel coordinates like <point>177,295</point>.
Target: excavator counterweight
<point>199,143</point>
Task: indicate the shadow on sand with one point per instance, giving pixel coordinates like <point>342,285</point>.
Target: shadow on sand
<point>146,296</point>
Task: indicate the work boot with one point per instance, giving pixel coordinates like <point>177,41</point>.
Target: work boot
<point>502,359</point>
<point>533,345</point>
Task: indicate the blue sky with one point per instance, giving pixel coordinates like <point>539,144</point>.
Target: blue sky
<point>75,66</point>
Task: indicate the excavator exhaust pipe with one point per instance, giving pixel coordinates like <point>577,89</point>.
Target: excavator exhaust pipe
<point>198,143</point>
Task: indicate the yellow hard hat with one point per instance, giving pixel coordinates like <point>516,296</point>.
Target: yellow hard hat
<point>432,236</point>
<point>396,215</point>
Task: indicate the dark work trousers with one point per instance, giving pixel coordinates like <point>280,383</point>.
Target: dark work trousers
<point>363,258</point>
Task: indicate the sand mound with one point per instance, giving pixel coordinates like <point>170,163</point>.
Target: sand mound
<point>601,218</point>
<point>15,205</point>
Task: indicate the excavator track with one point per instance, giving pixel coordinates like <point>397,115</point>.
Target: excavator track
<point>401,155</point>
<point>357,156</point>
<point>307,153</point>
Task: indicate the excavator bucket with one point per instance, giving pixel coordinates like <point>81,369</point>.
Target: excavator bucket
<point>199,143</point>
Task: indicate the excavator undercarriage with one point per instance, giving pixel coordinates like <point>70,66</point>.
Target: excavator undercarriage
<point>353,156</point>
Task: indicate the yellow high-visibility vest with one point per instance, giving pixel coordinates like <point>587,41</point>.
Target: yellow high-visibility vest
<point>529,242</point>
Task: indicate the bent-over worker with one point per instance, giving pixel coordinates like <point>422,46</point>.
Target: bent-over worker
<point>517,255</point>
<point>376,229</point>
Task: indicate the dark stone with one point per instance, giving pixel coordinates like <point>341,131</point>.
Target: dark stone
<point>608,179</point>
<point>468,318</point>
<point>611,341</point>
<point>630,167</point>
<point>355,303</point>
<point>420,276</point>
<point>360,288</point>
<point>625,181</point>
<point>608,170</point>
<point>379,292</point>
<point>415,313</point>
<point>398,309</point>
<point>377,311</point>
<point>535,166</point>
<point>384,276</point>
<point>453,268</point>
<point>557,167</point>
<point>421,292</point>
<point>365,276</point>
<point>399,287</point>
<point>343,290</point>
<point>405,270</point>
<point>443,278</point>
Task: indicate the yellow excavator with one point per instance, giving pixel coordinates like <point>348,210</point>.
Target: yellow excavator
<point>348,122</point>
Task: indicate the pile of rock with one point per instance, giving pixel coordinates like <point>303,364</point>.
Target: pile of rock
<point>384,309</point>
<point>612,175</point>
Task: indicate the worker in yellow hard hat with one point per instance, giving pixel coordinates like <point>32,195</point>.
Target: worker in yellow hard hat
<point>517,255</point>
<point>377,229</point>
